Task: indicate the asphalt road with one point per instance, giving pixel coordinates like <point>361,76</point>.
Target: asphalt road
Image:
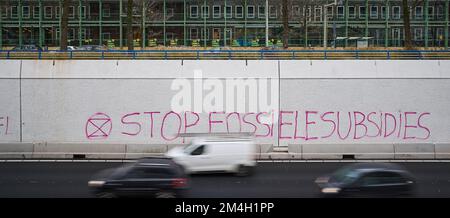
<point>283,180</point>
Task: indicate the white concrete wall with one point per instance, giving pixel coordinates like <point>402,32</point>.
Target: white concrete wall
<point>9,101</point>
<point>61,100</point>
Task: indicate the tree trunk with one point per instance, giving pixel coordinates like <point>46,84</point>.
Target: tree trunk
<point>64,25</point>
<point>407,25</point>
<point>305,30</point>
<point>285,23</point>
<point>130,25</point>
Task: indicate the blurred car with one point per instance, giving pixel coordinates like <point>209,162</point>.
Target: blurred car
<point>148,177</point>
<point>368,180</point>
<point>92,48</point>
<point>216,155</point>
<point>27,48</point>
<point>71,48</point>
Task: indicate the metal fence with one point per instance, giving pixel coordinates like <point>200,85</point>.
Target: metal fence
<point>231,55</point>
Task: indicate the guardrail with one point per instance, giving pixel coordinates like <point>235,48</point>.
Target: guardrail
<point>44,150</point>
<point>231,55</point>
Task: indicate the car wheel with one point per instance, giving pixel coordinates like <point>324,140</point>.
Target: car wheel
<point>106,195</point>
<point>165,194</point>
<point>243,170</point>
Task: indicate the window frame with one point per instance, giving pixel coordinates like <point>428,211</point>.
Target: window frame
<point>340,15</point>
<point>23,12</point>
<point>202,9</point>
<point>248,13</point>
<point>440,12</point>
<point>431,15</point>
<point>190,33</point>
<point>236,11</point>
<point>399,14</point>
<point>46,15</point>
<point>83,12</point>
<point>4,12</point>
<point>12,15</point>
<point>373,14</point>
<point>36,15</point>
<point>296,13</point>
<point>190,11</point>
<point>320,16</point>
<point>230,15</point>
<point>72,12</point>
<point>104,10</point>
<point>361,15</point>
<point>262,14</point>
<point>57,12</point>
<point>350,15</point>
<point>217,15</point>
<point>416,38</point>
<point>273,15</point>
<point>421,13</point>
<point>384,12</point>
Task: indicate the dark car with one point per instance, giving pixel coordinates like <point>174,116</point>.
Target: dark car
<point>368,180</point>
<point>147,177</point>
<point>27,48</point>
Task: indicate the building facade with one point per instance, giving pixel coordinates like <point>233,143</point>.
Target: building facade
<point>226,22</point>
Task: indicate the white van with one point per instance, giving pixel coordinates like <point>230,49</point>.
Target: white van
<point>210,155</point>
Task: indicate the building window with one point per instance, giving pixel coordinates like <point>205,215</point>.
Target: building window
<point>340,11</point>
<point>4,12</point>
<point>83,11</point>
<point>205,11</point>
<point>14,12</point>
<point>106,12</point>
<point>106,36</point>
<point>418,34</point>
<point>362,12</point>
<point>239,11</point>
<point>170,12</point>
<point>351,12</point>
<point>384,12</point>
<point>72,12</point>
<point>262,11</point>
<point>430,12</point>
<point>374,12</point>
<point>330,12</point>
<point>273,12</point>
<point>194,11</point>
<point>57,12</point>
<point>296,11</point>
<point>26,11</point>
<point>440,34</point>
<point>84,34</point>
<point>229,11</point>
<point>440,12</point>
<point>217,11</point>
<point>251,11</point>
<point>36,12</point>
<point>71,34</point>
<point>419,12</point>
<point>396,12</point>
<point>48,11</point>
<point>203,34</point>
<point>194,33</point>
<point>318,14</point>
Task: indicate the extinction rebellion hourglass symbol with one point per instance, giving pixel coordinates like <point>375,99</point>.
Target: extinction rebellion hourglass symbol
<point>98,126</point>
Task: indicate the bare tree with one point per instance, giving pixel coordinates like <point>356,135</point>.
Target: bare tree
<point>64,24</point>
<point>130,25</point>
<point>407,22</point>
<point>285,10</point>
